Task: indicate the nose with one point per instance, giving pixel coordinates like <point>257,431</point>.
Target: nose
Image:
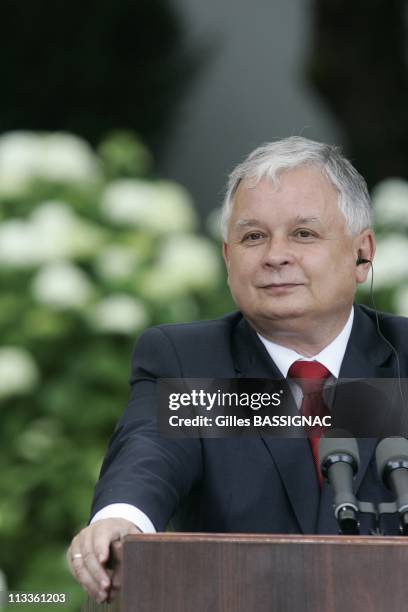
<point>277,253</point>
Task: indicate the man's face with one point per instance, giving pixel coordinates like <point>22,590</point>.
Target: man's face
<point>291,261</point>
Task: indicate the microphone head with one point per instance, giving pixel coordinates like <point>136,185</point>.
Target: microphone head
<point>337,445</point>
<point>390,454</point>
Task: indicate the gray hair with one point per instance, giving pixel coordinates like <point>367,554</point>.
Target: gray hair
<point>272,158</point>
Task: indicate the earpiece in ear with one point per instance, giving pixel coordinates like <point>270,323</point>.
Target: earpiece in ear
<point>360,260</point>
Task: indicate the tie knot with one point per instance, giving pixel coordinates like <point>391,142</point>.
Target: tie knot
<point>310,375</point>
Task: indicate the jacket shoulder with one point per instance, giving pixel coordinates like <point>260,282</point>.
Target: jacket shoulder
<point>393,327</point>
<point>196,329</point>
<point>201,348</point>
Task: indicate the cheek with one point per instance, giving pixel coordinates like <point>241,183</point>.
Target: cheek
<point>331,264</point>
<point>336,279</point>
<point>238,276</point>
<point>241,266</point>
<point>325,275</point>
<point>316,268</point>
<point>345,268</point>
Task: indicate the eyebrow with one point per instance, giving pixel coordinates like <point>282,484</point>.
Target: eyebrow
<point>247,222</point>
<point>306,220</point>
<point>253,222</point>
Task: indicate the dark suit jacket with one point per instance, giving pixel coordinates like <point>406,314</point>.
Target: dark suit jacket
<point>261,484</point>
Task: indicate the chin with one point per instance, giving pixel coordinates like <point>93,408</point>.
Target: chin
<point>283,308</point>
<point>280,314</point>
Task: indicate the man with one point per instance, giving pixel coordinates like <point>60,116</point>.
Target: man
<point>297,241</point>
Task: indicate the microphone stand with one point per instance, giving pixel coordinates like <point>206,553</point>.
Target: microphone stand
<point>347,517</point>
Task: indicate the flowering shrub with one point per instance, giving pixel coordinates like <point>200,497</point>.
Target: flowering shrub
<point>390,205</point>
<point>89,256</point>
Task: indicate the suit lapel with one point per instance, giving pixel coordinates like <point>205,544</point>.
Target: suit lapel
<point>365,358</point>
<point>292,457</point>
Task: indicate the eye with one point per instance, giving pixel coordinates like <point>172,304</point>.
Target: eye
<point>305,234</point>
<point>253,237</point>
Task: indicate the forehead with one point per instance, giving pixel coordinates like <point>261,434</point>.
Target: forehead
<point>303,191</point>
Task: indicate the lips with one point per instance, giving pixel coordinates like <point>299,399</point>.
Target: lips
<point>278,285</point>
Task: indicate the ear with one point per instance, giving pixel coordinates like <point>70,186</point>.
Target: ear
<point>225,254</point>
<point>364,246</point>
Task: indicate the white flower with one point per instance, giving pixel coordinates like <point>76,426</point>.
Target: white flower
<point>61,233</point>
<point>390,262</point>
<point>158,285</point>
<point>117,262</point>
<point>67,158</point>
<point>186,263</point>
<point>161,207</point>
<point>401,301</point>
<point>18,243</point>
<point>25,156</point>
<point>18,160</point>
<point>61,285</point>
<point>18,371</point>
<point>119,313</point>
<point>173,209</point>
<point>390,202</point>
<point>127,200</point>
<point>191,259</point>
<point>52,232</point>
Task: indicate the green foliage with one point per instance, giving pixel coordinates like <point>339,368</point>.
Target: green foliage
<point>390,280</point>
<point>92,250</point>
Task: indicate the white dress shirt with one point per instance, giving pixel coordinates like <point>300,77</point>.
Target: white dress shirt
<point>331,357</point>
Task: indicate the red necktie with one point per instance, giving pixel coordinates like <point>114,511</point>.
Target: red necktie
<point>311,376</point>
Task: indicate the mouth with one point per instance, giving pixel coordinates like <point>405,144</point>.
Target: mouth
<point>278,288</point>
<point>280,285</point>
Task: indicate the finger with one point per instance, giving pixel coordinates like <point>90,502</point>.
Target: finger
<point>86,580</point>
<point>89,552</point>
<point>116,580</point>
<point>102,537</point>
<point>112,594</point>
<point>81,559</point>
<point>116,557</point>
<point>117,553</point>
<point>73,551</point>
<point>116,584</point>
<point>106,536</point>
<point>90,558</point>
<point>97,571</point>
<point>117,550</point>
<point>68,557</point>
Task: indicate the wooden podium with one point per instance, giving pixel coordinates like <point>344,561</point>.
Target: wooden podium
<point>182,572</point>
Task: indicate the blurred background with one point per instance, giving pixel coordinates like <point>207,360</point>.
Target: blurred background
<point>119,123</point>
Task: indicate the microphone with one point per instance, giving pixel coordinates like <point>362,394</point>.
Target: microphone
<point>339,462</point>
<point>392,466</point>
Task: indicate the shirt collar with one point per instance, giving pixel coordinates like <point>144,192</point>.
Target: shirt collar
<point>331,356</point>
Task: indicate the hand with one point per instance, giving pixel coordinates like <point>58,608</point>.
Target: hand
<point>89,553</point>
